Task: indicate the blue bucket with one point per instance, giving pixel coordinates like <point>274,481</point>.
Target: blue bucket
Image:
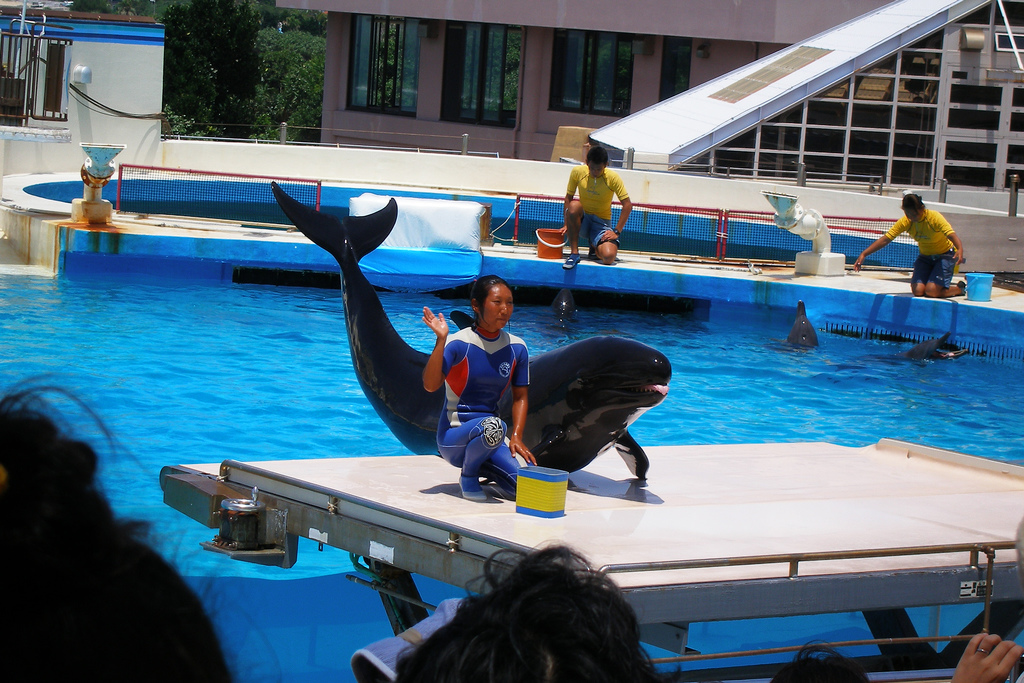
<point>979,286</point>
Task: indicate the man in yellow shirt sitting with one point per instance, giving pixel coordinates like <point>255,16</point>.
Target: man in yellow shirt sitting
<point>591,214</point>
<point>941,249</point>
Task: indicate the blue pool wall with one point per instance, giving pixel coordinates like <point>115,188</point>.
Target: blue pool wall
<point>97,253</point>
<point>997,332</point>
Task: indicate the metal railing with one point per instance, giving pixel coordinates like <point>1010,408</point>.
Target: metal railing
<point>32,78</point>
<point>719,234</point>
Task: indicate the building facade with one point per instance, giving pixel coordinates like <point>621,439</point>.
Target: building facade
<point>421,74</point>
<point>947,109</point>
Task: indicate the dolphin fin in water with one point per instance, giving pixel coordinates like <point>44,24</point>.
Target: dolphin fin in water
<point>461,318</point>
<point>925,349</point>
<point>802,333</point>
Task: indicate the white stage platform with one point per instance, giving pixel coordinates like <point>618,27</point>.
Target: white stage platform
<point>719,532</point>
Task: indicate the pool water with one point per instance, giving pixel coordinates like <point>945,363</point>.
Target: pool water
<point>196,374</point>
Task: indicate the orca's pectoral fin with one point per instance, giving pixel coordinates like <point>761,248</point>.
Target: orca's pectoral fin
<point>633,455</point>
<point>461,318</point>
<point>551,434</point>
<point>322,229</point>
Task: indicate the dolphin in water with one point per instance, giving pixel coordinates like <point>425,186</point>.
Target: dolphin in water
<point>802,333</point>
<point>582,397</point>
<point>564,305</point>
<point>929,348</point>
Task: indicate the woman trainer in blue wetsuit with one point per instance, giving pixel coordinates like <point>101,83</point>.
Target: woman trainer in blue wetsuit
<point>476,366</point>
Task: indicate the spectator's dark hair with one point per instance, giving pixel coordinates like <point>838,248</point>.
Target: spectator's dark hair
<point>820,664</point>
<point>546,619</point>
<point>913,202</point>
<point>597,155</point>
<point>83,597</point>
<point>482,287</point>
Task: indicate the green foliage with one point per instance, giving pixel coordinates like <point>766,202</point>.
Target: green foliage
<point>211,67</point>
<point>307,21</point>
<point>291,87</point>
<point>225,77</point>
<point>99,6</point>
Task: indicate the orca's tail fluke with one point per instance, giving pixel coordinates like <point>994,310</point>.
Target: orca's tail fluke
<point>362,234</point>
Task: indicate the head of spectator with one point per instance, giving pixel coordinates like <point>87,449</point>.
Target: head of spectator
<point>542,617</point>
<point>84,597</point>
<point>820,664</point>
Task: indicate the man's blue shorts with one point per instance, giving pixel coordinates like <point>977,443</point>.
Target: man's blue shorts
<point>937,268</point>
<point>592,227</point>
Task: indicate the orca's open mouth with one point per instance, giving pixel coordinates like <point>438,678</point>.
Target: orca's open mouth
<point>657,388</point>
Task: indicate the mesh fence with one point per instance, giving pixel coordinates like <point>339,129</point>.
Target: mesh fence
<point>717,234</point>
<point>206,194</point>
<point>649,228</point>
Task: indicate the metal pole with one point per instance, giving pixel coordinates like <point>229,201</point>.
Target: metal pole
<point>943,185</point>
<point>465,144</point>
<point>1014,186</point>
<point>284,132</point>
<point>629,157</point>
<point>801,174</point>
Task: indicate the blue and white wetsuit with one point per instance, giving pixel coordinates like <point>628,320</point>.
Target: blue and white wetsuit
<point>478,370</point>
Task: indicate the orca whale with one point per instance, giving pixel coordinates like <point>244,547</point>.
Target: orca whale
<point>802,332</point>
<point>582,397</point>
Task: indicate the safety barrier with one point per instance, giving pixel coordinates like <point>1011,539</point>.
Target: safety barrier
<point>208,194</point>
<point>720,234</point>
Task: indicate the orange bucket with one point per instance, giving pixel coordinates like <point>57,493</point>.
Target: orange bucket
<point>550,243</point>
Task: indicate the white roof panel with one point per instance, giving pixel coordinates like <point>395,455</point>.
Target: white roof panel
<point>688,124</point>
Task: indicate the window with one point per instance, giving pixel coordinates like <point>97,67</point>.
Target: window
<point>675,66</point>
<point>916,146</point>
<point>481,73</point>
<point>973,176</point>
<point>970,151</point>
<point>976,94</point>
<point>911,173</point>
<point>384,64</point>
<point>592,72</point>
<point>974,119</point>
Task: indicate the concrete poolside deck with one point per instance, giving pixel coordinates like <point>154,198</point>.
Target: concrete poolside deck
<point>870,302</point>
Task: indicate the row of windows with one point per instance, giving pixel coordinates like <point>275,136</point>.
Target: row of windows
<point>592,71</point>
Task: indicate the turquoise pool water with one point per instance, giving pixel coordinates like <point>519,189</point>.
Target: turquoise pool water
<point>193,374</point>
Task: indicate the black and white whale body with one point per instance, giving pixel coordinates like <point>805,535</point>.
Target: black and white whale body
<point>582,397</point>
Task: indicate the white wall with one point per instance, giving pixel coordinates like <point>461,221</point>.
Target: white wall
<point>125,77</point>
<point>468,174</point>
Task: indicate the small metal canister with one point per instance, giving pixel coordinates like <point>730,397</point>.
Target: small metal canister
<point>240,523</point>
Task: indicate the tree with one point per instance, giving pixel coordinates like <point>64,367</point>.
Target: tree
<point>97,6</point>
<point>291,83</point>
<point>211,67</point>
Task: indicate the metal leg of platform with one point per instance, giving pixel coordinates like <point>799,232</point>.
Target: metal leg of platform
<point>402,601</point>
<point>1005,618</point>
<point>896,623</point>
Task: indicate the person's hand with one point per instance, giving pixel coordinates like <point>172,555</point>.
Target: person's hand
<point>516,445</point>
<point>437,323</point>
<point>858,263</point>
<point>960,258</point>
<point>609,234</point>
<point>987,659</point>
